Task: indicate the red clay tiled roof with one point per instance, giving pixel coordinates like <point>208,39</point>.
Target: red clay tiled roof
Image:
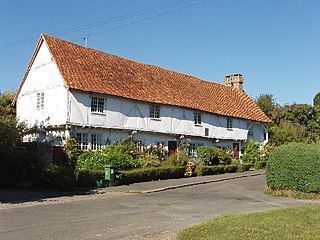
<point>91,70</point>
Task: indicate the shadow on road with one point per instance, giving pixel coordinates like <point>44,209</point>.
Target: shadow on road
<point>16,196</point>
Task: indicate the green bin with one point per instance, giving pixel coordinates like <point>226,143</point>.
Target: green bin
<point>110,174</point>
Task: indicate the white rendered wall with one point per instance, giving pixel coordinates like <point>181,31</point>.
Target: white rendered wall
<point>43,77</point>
<point>124,114</point>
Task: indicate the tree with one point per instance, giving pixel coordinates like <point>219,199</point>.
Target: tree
<point>291,123</point>
<point>295,123</point>
<point>287,132</point>
<point>266,103</point>
<point>6,107</point>
<point>316,100</point>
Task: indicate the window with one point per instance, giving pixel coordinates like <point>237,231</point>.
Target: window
<point>95,142</point>
<point>82,140</point>
<point>206,132</point>
<point>40,101</point>
<point>155,112</point>
<point>192,149</point>
<point>97,104</point>
<point>197,118</point>
<point>229,123</point>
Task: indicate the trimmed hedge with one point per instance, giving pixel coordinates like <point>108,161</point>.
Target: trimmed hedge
<point>88,178</point>
<point>295,166</point>
<point>54,177</point>
<point>213,170</point>
<point>152,173</point>
<point>260,164</point>
<point>245,167</point>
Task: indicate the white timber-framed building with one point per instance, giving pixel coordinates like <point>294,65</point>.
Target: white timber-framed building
<point>98,98</point>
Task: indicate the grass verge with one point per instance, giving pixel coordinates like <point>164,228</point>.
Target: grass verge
<point>288,223</point>
<point>291,194</point>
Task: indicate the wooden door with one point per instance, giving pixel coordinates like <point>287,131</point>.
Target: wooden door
<point>236,150</point>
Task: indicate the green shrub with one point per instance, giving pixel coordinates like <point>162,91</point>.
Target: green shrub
<point>150,174</point>
<point>148,160</point>
<point>72,150</point>
<point>246,166</point>
<point>223,156</point>
<point>54,177</point>
<point>295,166</point>
<point>208,155</point>
<point>251,152</point>
<point>260,164</point>
<point>242,167</point>
<point>88,178</point>
<point>213,170</point>
<point>179,158</point>
<point>111,155</point>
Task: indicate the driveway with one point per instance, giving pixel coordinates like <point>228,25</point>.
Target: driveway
<point>156,215</point>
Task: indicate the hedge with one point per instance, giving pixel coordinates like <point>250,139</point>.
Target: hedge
<point>295,166</point>
<point>260,164</point>
<point>152,173</point>
<point>213,170</point>
<point>88,178</point>
<point>245,167</point>
<point>54,177</point>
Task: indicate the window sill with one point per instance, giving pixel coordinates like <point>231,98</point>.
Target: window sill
<point>98,113</point>
<point>229,129</point>
<point>198,125</point>
<point>155,119</point>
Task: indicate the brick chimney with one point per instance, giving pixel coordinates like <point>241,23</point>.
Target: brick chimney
<point>235,81</point>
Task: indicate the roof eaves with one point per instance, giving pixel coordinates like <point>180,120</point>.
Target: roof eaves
<point>34,54</point>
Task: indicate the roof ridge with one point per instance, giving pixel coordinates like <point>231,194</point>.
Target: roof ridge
<point>134,61</point>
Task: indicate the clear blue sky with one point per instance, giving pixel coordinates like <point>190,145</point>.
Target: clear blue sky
<point>275,44</point>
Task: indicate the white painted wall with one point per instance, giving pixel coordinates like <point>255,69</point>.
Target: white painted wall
<point>43,77</point>
<point>124,114</point>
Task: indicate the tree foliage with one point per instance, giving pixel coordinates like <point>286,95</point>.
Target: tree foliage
<point>266,103</point>
<point>316,100</point>
<point>291,123</point>
<point>6,106</point>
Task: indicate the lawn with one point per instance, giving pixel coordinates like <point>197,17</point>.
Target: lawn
<point>289,223</point>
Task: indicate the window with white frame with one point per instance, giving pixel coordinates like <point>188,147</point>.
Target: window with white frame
<point>155,111</point>
<point>97,104</point>
<point>82,140</point>
<point>197,118</point>
<point>95,142</point>
<point>192,150</point>
<point>229,123</point>
<point>40,100</point>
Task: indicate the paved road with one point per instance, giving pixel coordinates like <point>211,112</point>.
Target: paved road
<point>156,215</point>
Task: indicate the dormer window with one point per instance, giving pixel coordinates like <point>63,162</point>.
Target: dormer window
<point>155,112</point>
<point>97,104</point>
<point>197,118</point>
<point>40,101</point>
